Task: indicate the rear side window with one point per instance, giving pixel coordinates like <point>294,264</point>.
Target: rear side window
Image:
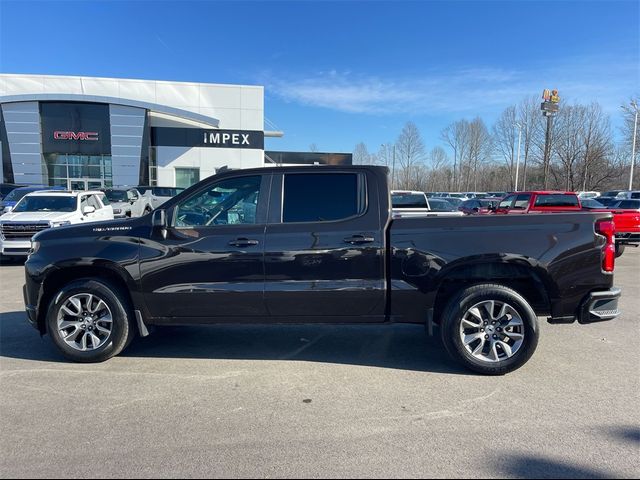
<point>635,204</point>
<point>522,202</point>
<point>635,194</point>
<point>317,197</point>
<point>556,201</point>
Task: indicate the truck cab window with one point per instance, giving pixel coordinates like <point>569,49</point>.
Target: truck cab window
<point>229,202</point>
<point>313,197</point>
<point>522,202</point>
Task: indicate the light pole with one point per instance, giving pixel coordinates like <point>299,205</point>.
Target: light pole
<point>634,104</point>
<point>518,160</point>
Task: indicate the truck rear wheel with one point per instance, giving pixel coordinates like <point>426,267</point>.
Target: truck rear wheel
<point>490,329</point>
<point>89,321</point>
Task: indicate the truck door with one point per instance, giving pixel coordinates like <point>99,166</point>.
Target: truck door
<point>324,248</point>
<point>210,264</point>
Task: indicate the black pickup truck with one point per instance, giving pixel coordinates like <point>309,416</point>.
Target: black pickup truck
<point>318,245</point>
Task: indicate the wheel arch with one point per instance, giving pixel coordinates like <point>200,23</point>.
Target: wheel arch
<point>526,277</point>
<point>112,274</point>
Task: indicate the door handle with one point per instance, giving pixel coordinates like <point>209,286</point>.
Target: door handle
<point>358,239</point>
<point>243,242</point>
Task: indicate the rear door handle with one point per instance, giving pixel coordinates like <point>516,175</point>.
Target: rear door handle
<point>357,239</point>
<point>243,242</point>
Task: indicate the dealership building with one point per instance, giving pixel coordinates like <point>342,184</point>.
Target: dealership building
<point>86,132</point>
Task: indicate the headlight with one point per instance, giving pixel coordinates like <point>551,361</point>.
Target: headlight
<point>60,224</point>
<point>35,246</point>
<point>117,210</point>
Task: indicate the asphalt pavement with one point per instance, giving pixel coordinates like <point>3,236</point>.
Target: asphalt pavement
<point>320,401</point>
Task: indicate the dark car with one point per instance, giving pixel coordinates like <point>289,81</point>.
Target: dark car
<point>15,195</point>
<point>475,206</point>
<point>270,245</point>
<point>455,201</point>
<point>5,188</point>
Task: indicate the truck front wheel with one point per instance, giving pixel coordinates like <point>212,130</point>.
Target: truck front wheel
<point>89,321</point>
<point>490,329</point>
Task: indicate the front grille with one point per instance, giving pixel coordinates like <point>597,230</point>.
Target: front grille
<point>22,231</point>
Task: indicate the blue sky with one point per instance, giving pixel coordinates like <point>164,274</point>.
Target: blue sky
<point>337,73</point>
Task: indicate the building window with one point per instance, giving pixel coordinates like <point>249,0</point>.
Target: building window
<point>185,177</point>
<point>78,171</point>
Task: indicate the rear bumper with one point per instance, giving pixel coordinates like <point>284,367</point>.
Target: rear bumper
<point>600,306</point>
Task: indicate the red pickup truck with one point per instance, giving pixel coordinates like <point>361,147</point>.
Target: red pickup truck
<point>626,217</point>
<point>539,202</point>
<point>626,213</point>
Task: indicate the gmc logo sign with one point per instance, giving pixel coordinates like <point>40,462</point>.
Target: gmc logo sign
<point>59,135</point>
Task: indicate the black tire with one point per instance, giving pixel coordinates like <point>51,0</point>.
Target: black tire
<point>122,332</point>
<point>619,249</point>
<point>466,299</point>
<point>147,210</point>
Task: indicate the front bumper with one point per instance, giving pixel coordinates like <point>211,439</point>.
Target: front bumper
<point>15,247</point>
<point>600,306</point>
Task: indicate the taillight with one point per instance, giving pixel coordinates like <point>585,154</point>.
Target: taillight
<point>607,229</point>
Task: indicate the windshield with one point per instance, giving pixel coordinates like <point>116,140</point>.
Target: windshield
<point>412,200</point>
<point>116,195</point>
<point>41,203</point>
<point>611,193</point>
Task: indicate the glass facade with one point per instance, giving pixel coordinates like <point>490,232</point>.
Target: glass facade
<point>185,177</point>
<point>78,171</point>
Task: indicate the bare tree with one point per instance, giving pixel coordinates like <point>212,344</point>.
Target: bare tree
<point>361,155</point>
<point>313,147</point>
<point>456,135</point>
<point>440,171</point>
<point>480,150</point>
<point>505,133</point>
<point>410,153</point>
<point>531,120</point>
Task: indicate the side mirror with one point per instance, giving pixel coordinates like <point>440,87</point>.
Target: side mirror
<point>88,209</point>
<point>159,222</point>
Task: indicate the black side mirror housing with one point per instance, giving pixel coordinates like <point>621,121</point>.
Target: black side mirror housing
<point>159,222</point>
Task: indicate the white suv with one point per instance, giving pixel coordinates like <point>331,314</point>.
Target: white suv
<point>50,208</point>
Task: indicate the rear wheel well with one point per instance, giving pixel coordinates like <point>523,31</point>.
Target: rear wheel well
<point>517,277</point>
<point>56,280</point>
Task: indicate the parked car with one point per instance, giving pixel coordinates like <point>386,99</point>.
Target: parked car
<point>455,201</point>
<point>611,194</point>
<point>408,203</point>
<point>591,194</point>
<point>44,209</point>
<point>159,195</point>
<point>629,194</point>
<point>15,195</point>
<point>477,194</point>
<point>127,202</point>
<point>305,256</point>
<point>478,206</point>
<point>498,194</point>
<point>626,217</point>
<point>6,188</point>
<point>539,202</point>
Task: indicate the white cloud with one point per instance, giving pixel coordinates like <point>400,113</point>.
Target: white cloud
<point>464,90</point>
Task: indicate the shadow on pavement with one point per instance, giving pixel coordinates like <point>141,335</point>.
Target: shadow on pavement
<point>12,261</point>
<point>389,346</point>
<point>534,467</point>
